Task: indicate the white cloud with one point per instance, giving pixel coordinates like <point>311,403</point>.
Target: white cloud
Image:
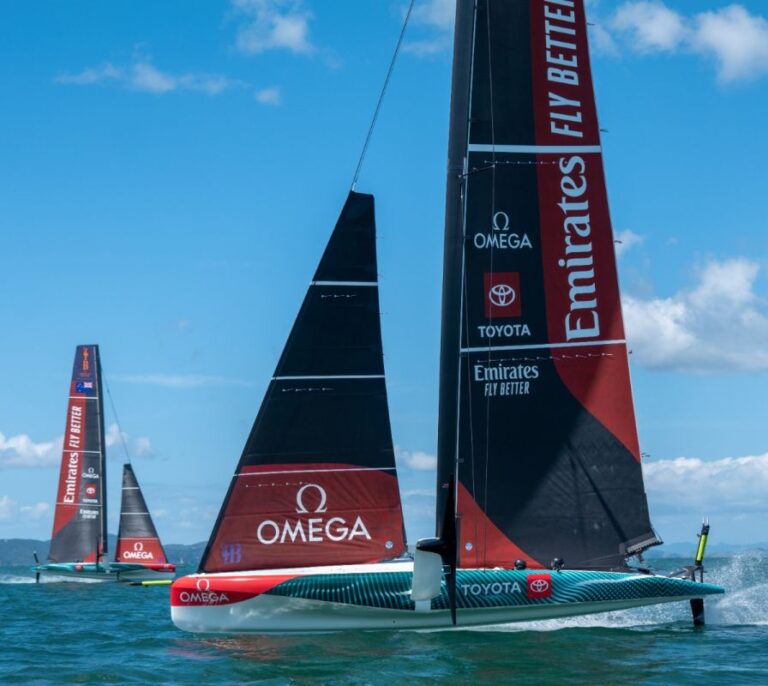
<point>651,26</point>
<point>269,96</point>
<point>726,485</point>
<point>145,77</point>
<point>719,325</point>
<point>273,25</point>
<point>137,447</point>
<point>7,508</point>
<point>416,460</point>
<point>736,40</point>
<point>179,380</point>
<point>437,13</point>
<point>437,17</point>
<point>22,451</point>
<point>626,240</point>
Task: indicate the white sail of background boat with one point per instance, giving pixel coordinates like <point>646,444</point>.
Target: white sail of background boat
<point>540,494</point>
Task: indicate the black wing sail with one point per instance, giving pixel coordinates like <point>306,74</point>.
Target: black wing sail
<point>80,520</point>
<point>316,483</point>
<point>534,370</point>
<point>137,539</point>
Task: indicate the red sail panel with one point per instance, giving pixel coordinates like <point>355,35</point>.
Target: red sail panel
<point>308,514</point>
<point>79,533</point>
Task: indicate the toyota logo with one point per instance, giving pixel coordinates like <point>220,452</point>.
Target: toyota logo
<point>203,585</point>
<point>138,547</point>
<point>502,295</point>
<point>301,509</point>
<point>539,585</point>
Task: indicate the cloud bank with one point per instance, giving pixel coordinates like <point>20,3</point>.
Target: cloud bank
<point>720,325</point>
<point>273,25</point>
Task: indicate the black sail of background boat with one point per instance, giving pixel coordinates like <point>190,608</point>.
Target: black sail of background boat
<point>78,549</point>
<point>541,501</point>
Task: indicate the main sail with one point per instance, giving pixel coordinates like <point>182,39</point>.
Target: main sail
<point>536,413</point>
<point>137,539</point>
<point>80,521</point>
<point>316,483</point>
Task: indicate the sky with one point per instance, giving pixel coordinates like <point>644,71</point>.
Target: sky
<point>171,172</point>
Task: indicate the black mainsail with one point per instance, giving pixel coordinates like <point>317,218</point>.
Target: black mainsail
<point>536,414</point>
<point>80,520</point>
<point>316,483</point>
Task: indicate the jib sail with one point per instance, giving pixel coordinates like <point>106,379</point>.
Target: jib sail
<point>79,525</point>
<point>137,539</point>
<point>534,371</point>
<point>316,483</point>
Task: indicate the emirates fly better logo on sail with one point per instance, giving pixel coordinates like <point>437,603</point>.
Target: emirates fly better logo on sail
<point>502,295</point>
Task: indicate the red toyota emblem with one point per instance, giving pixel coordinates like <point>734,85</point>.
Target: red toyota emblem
<point>539,585</point>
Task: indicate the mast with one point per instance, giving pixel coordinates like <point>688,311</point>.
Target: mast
<point>453,252</point>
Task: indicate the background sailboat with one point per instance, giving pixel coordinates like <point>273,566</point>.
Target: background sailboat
<point>540,493</point>
<point>79,538</point>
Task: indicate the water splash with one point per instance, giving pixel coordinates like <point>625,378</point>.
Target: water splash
<point>745,603</point>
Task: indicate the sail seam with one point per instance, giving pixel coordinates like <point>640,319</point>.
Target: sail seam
<point>344,283</point>
<point>83,397</point>
<point>323,471</point>
<point>543,346</point>
<point>340,376</point>
<point>534,149</point>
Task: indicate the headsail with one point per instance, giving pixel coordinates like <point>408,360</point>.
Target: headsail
<point>80,522</point>
<point>534,372</point>
<point>137,539</point>
<point>316,483</point>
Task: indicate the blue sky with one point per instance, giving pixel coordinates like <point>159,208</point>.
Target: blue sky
<point>171,173</point>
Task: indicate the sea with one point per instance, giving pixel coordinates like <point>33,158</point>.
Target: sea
<point>90,633</point>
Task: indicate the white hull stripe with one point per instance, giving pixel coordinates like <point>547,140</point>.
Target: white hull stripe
<point>320,378</point>
<point>534,149</point>
<point>344,283</point>
<point>544,346</point>
<point>320,471</point>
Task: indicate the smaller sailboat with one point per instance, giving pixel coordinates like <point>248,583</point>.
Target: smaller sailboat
<point>139,554</point>
<point>79,539</point>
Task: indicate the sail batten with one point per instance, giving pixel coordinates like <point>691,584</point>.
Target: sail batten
<point>546,452</point>
<point>317,483</point>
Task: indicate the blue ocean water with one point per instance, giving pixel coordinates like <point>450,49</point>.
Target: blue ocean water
<point>71,633</point>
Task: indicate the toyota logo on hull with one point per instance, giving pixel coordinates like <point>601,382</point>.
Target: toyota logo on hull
<point>539,585</point>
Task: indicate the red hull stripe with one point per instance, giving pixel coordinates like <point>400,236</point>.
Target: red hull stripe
<point>212,591</point>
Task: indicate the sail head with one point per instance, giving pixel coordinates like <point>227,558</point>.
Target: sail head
<point>316,483</point>
<point>535,378</point>
<point>79,526</point>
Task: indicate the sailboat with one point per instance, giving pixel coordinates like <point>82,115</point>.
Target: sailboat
<point>78,548</point>
<point>540,497</point>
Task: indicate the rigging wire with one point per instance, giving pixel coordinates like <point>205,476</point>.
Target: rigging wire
<point>383,92</point>
<point>117,421</point>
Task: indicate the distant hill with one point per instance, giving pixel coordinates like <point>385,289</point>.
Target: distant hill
<point>19,551</point>
<point>688,549</point>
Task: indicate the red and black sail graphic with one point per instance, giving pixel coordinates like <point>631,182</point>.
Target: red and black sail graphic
<point>137,539</point>
<point>79,525</point>
<point>316,483</point>
<point>534,372</point>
